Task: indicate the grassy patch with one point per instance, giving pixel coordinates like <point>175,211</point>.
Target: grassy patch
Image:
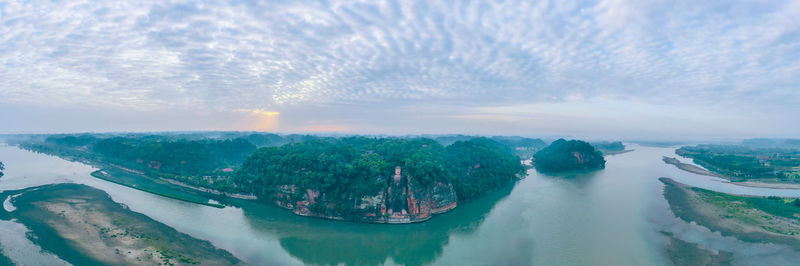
<point>750,219</point>
<point>148,185</point>
<point>734,204</point>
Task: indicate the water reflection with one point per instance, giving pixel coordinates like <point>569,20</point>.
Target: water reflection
<point>317,241</point>
<point>578,179</point>
<point>744,253</point>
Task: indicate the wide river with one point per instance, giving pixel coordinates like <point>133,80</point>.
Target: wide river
<point>614,216</point>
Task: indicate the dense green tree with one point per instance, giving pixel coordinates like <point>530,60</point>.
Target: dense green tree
<point>563,155</point>
<point>340,168</point>
<point>72,140</point>
<point>182,157</point>
<point>356,166</point>
<point>481,165</point>
<point>741,162</point>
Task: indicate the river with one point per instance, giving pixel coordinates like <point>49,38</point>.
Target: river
<point>613,216</point>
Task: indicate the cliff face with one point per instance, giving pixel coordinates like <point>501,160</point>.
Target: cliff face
<point>403,200</point>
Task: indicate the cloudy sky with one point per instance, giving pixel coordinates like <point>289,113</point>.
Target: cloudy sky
<point>605,69</point>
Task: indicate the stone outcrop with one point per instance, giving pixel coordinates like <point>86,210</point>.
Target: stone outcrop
<point>403,200</point>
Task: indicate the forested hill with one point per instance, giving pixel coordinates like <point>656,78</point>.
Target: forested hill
<point>563,155</point>
<point>520,146</point>
<point>338,167</point>
<point>357,166</point>
<point>183,157</point>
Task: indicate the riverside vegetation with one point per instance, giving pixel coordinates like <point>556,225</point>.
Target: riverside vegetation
<point>342,178</point>
<point>320,242</point>
<point>748,162</point>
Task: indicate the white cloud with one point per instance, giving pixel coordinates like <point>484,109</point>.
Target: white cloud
<point>281,54</point>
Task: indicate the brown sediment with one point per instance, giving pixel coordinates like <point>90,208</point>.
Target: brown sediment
<point>729,215</point>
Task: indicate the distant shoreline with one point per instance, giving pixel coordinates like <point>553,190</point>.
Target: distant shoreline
<point>700,171</point>
<point>766,185</point>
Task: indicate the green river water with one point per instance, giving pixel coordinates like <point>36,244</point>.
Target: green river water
<point>615,216</point>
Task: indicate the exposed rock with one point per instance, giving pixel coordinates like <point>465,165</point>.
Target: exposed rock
<point>402,201</point>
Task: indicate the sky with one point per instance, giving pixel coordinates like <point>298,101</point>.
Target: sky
<point>615,69</point>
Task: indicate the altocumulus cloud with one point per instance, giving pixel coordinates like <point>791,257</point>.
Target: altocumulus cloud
<point>358,63</point>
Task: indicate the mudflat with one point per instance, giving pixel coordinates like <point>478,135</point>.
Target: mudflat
<point>83,226</point>
<point>685,253</point>
<point>751,219</point>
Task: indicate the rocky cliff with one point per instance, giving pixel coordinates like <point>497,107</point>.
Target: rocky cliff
<point>403,200</point>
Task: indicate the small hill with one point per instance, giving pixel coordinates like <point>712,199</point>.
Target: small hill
<point>568,155</point>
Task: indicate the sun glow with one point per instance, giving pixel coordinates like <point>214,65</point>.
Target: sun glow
<point>260,119</point>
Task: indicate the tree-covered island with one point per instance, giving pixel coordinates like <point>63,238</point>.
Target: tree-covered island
<point>568,155</point>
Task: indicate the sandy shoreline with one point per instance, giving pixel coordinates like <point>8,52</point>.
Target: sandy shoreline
<point>766,185</point>
<point>690,168</point>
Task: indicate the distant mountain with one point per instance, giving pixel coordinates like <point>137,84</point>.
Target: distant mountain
<point>450,139</point>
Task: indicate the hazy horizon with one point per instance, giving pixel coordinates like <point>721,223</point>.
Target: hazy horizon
<point>632,70</point>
